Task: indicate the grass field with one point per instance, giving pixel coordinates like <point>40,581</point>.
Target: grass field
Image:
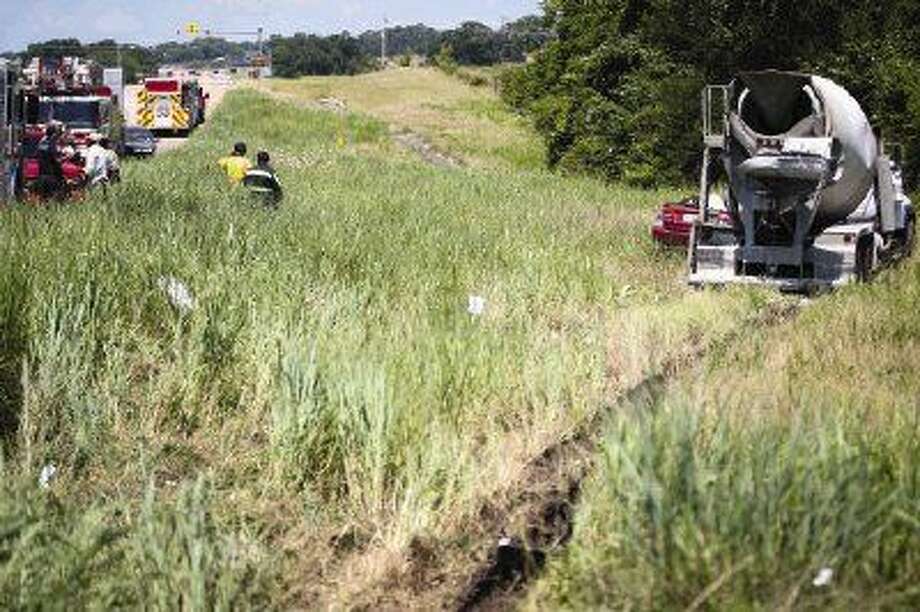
<point>469,122</point>
<point>792,452</point>
<point>330,383</point>
<point>328,423</point>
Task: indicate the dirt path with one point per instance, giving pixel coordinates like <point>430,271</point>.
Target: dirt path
<point>496,557</point>
<point>421,146</point>
<point>403,137</point>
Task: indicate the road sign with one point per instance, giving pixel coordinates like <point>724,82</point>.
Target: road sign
<point>192,28</point>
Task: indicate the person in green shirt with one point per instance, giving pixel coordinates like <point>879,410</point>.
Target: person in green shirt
<point>235,165</point>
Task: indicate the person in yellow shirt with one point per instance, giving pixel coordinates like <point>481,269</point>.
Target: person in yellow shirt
<point>235,165</point>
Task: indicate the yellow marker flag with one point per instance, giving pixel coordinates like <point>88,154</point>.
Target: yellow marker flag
<point>341,140</point>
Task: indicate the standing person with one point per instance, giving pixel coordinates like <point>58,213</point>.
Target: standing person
<point>101,162</point>
<point>94,161</point>
<point>235,165</point>
<point>263,182</point>
<point>50,181</point>
<point>112,167</point>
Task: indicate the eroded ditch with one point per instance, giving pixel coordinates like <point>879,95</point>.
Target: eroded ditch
<point>546,502</point>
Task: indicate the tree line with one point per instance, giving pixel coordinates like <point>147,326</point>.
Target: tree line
<point>307,54</point>
<point>135,60</point>
<point>471,43</point>
<point>616,90</point>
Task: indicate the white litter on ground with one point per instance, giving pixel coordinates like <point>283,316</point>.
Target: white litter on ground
<point>178,293</point>
<point>47,473</point>
<point>477,305</point>
<point>824,577</point>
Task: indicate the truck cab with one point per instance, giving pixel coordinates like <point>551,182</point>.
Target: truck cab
<point>82,115</point>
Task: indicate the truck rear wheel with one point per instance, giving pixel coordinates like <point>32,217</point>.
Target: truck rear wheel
<point>910,237</point>
<point>865,254</point>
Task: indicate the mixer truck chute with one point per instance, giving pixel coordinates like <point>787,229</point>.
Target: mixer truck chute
<point>813,201</point>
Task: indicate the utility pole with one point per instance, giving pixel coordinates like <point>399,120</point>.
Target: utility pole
<point>121,71</point>
<point>383,43</point>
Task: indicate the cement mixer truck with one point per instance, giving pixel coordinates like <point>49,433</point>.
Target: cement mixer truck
<point>815,202</point>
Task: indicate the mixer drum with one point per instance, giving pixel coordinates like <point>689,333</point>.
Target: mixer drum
<point>817,122</point>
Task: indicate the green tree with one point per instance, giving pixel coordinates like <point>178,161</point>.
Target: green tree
<point>616,90</point>
<point>315,55</point>
<point>473,43</point>
<point>134,59</point>
<point>415,39</point>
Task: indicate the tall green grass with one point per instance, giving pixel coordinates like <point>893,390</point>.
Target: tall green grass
<point>160,555</point>
<point>793,451</point>
<point>688,510</point>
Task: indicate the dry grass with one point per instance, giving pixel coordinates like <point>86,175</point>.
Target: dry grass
<point>468,122</point>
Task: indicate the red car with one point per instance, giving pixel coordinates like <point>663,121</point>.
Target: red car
<point>675,220</point>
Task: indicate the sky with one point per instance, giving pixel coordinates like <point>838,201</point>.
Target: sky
<point>152,21</point>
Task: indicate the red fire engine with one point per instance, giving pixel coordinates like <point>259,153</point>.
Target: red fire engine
<point>67,90</point>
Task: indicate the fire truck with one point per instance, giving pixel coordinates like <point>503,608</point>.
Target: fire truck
<point>168,105</point>
<point>69,91</point>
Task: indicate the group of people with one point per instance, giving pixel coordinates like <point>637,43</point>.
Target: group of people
<point>260,179</point>
<point>60,168</point>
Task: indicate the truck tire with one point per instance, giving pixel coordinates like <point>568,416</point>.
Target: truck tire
<point>864,256</point>
<point>910,237</point>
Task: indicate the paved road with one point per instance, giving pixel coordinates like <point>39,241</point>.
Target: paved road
<point>214,87</point>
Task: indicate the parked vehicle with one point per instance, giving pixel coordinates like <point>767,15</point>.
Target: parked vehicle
<point>137,141</point>
<point>815,199</point>
<point>33,188</point>
<point>168,105</point>
<point>674,222</point>
<point>67,91</point>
